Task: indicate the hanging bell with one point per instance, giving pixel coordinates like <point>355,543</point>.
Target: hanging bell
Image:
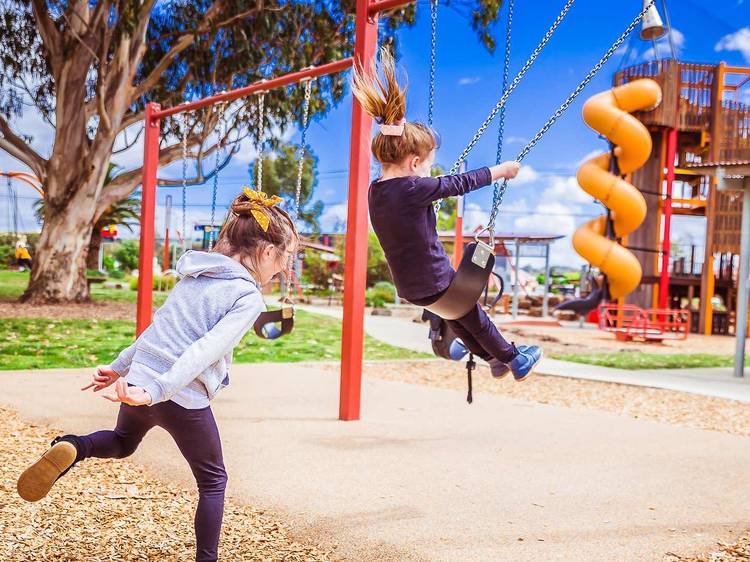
<point>652,27</point>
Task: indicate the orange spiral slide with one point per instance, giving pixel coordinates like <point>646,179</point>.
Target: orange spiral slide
<point>608,113</point>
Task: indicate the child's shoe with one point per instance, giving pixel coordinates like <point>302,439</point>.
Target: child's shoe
<point>523,364</point>
<point>37,480</point>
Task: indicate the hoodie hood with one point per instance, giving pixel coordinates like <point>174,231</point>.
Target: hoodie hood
<point>194,263</point>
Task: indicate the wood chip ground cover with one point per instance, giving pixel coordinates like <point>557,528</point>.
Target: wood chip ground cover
<point>114,511</point>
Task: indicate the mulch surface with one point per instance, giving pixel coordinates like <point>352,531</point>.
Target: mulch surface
<point>112,510</point>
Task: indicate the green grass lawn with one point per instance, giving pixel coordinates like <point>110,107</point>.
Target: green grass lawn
<point>13,284</point>
<point>39,343</point>
<point>640,360</point>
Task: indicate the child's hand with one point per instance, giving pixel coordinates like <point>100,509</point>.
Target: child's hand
<point>505,171</point>
<point>103,377</point>
<point>133,395</point>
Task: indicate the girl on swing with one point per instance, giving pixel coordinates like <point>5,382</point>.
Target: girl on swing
<point>403,217</point>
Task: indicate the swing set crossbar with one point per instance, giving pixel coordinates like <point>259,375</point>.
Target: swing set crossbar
<point>258,87</point>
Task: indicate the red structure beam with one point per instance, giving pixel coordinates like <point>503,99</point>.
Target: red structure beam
<point>664,280</point>
<point>154,114</point>
<point>148,212</point>
<point>262,86</point>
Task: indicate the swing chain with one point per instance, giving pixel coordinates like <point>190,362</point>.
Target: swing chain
<point>501,103</point>
<point>183,119</point>
<point>433,61</point>
<point>501,128</point>
<point>300,170</point>
<point>222,129</point>
<point>564,106</point>
<point>259,143</point>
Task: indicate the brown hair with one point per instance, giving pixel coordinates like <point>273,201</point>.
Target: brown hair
<point>385,101</point>
<point>242,234</point>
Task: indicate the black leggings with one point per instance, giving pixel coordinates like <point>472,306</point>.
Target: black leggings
<point>478,332</point>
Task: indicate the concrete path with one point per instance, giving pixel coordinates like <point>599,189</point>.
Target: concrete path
<point>423,476</point>
<point>718,382</point>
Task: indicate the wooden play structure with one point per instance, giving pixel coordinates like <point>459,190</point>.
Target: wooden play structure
<point>700,119</point>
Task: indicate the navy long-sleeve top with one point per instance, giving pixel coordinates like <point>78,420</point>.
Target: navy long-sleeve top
<point>403,218</point>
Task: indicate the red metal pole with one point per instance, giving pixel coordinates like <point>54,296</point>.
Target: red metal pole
<point>458,238</point>
<point>664,280</point>
<point>148,209</point>
<point>355,275</point>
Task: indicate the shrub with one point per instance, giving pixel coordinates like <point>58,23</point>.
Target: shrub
<point>381,294</point>
<point>7,255</point>
<point>159,282</point>
<point>116,274</point>
<point>127,255</point>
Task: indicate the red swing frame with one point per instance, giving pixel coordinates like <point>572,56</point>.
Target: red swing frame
<point>365,45</point>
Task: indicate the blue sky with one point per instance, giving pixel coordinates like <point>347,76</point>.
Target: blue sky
<point>545,198</point>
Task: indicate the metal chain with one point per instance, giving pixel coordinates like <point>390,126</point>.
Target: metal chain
<point>433,61</point>
<point>300,170</point>
<point>184,181</point>
<point>221,126</point>
<point>562,108</point>
<point>506,78</point>
<point>259,143</point>
<point>501,103</point>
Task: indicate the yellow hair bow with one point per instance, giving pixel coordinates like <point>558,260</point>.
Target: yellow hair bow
<point>259,202</point>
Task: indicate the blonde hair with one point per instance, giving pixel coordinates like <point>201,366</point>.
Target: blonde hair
<point>385,101</point>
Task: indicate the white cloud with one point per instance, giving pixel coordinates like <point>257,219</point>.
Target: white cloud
<point>333,216</point>
<point>468,80</point>
<point>516,140</point>
<point>663,48</point>
<point>527,174</point>
<point>564,188</point>
<point>737,41</point>
<point>589,156</point>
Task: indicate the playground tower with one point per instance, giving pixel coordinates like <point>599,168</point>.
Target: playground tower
<point>700,119</point>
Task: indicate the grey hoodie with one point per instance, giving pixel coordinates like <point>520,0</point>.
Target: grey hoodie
<point>184,355</point>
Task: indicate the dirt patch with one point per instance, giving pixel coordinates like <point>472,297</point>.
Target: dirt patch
<point>97,310</point>
<point>117,511</point>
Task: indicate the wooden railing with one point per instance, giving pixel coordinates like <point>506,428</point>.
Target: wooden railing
<point>688,103</point>
<point>734,142</point>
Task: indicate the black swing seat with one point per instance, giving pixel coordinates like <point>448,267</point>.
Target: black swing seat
<point>468,284</point>
<point>267,324</point>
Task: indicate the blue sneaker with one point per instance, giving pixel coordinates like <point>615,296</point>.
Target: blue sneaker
<point>524,363</point>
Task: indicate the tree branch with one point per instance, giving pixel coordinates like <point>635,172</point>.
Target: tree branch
<point>50,35</point>
<point>16,147</point>
<point>150,81</point>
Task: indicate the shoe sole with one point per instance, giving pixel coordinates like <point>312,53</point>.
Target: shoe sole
<point>527,375</point>
<point>37,480</point>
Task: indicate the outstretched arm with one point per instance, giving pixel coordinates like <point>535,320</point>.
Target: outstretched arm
<point>427,190</point>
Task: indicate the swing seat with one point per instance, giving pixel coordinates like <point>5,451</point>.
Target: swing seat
<point>468,284</point>
<point>273,324</point>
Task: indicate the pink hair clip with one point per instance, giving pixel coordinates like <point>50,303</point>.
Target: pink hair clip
<point>393,130</point>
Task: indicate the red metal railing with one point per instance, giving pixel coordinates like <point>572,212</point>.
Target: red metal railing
<point>629,322</point>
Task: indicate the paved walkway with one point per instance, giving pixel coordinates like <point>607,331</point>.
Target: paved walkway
<point>423,476</point>
<point>717,382</point>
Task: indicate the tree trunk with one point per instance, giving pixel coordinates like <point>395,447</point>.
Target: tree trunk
<point>59,270</point>
<point>92,259</point>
